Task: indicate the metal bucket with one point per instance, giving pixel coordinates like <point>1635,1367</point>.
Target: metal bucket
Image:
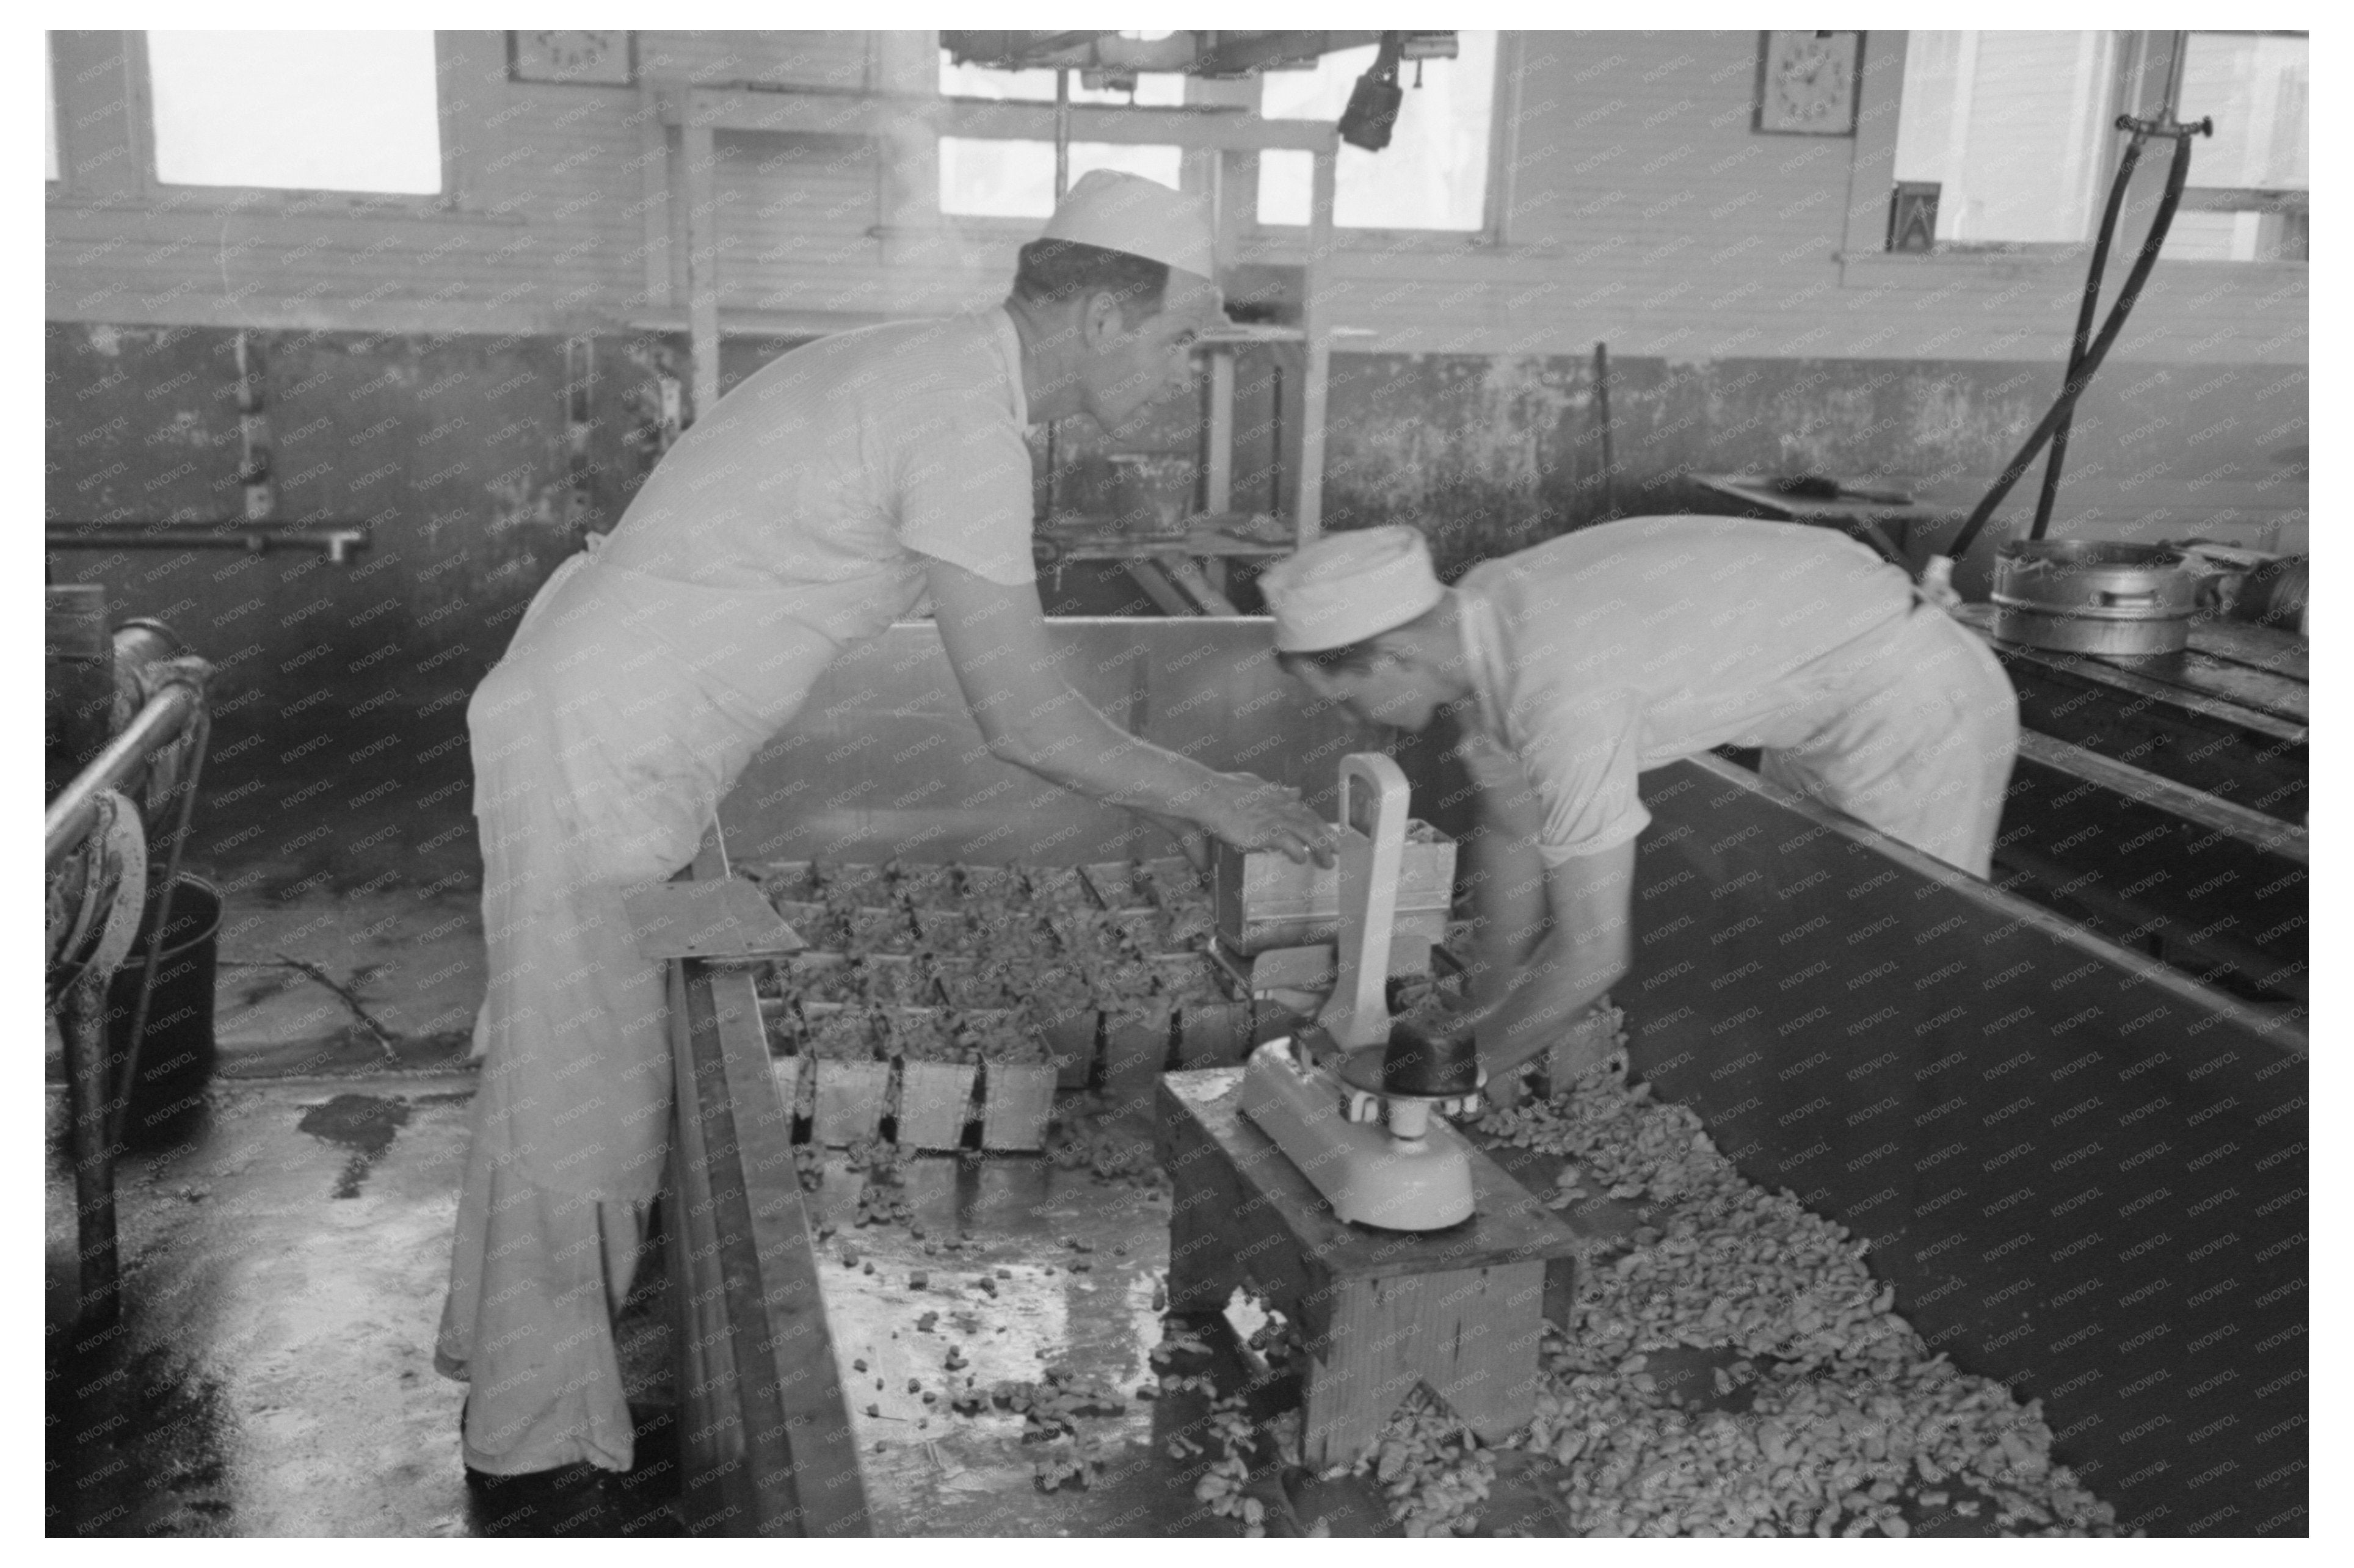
<point>2094,595</point>
<point>176,1052</point>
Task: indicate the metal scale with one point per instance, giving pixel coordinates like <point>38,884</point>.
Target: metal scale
<point>1357,1101</point>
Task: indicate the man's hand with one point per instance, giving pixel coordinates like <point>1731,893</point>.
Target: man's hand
<point>1251,814</point>
<point>1191,839</point>
<point>1483,757</point>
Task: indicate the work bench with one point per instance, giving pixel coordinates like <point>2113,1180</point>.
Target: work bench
<point>1461,1310</point>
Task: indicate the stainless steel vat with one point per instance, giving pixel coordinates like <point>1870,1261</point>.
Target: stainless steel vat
<point>2094,595</point>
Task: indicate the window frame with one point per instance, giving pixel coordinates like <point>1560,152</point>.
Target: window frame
<point>1866,259</point>
<point>57,111</point>
<point>1503,125</point>
<point>992,224</point>
<point>454,197</point>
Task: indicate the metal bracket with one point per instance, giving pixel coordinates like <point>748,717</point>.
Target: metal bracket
<point>1374,802</point>
<point>723,921</point>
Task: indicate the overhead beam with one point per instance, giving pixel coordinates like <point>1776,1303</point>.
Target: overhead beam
<point>874,114</point>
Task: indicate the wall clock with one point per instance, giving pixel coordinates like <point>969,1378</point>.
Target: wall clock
<point>1805,82</point>
<point>603,60</point>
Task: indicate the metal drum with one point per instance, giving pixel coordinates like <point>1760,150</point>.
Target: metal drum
<point>2094,595</point>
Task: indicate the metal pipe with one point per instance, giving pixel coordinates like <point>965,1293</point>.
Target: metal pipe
<point>336,540</point>
<point>1602,417</point>
<point>1061,189</point>
<point>154,727</point>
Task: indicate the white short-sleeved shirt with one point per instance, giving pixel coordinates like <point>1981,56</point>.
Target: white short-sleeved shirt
<point>1628,645</point>
<point>831,473</point>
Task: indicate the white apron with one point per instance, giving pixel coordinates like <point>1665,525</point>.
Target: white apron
<point>602,743</point>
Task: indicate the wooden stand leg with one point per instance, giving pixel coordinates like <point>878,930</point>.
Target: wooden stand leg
<point>1471,1337</point>
<point>1484,1361</point>
<point>90,1103</point>
<point>1202,1272</point>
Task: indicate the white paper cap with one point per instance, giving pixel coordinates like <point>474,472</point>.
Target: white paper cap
<point>1348,587</point>
<point>1141,217</point>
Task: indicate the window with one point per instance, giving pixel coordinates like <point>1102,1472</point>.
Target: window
<point>2009,138</point>
<point>2245,201</point>
<point>49,107</point>
<point>987,177</point>
<point>1434,172</point>
<point>297,111</point>
<point>2011,128</point>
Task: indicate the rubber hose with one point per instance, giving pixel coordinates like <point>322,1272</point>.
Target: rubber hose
<point>2175,176</point>
<point>2086,312</point>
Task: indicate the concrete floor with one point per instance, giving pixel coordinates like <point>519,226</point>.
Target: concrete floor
<point>282,1276</point>
<point>283,1267</point>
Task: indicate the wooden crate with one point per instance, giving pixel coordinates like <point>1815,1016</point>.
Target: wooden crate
<point>1113,884</point>
<point>806,978</point>
<point>786,879</point>
<point>1071,1043</point>
<point>928,886</point>
<point>1211,1032</point>
<point>935,1103</point>
<point>1017,1099</point>
<point>1136,1053</point>
<point>863,882</point>
<point>896,982</point>
<point>881,932</point>
<point>850,1101</point>
<point>1265,900</point>
<point>808,920</point>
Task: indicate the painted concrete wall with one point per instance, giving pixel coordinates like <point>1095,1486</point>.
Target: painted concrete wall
<point>416,351</point>
<point>1637,206</point>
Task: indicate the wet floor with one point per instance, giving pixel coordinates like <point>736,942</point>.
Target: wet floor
<point>273,1372</point>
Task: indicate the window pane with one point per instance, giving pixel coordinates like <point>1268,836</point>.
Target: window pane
<point>991,178</point>
<point>1434,172</point>
<point>2254,85</point>
<point>297,111</point>
<point>2213,236</point>
<point>49,105</point>
<point>1152,87</point>
<point>2011,126</point>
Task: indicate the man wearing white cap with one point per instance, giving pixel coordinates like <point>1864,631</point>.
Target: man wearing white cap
<point>834,491</point>
<point>1574,665</point>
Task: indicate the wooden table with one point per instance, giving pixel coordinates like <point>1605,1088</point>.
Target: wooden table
<point>1167,566</point>
<point>1380,1311</point>
<point>1858,517</point>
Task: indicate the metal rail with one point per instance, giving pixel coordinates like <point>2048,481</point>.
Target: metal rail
<point>336,541</point>
<point>159,722</point>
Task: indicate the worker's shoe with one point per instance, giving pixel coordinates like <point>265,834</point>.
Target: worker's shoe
<point>640,1498</point>
<point>569,1500</point>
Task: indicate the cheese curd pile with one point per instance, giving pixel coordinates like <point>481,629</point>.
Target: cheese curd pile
<point>1853,1425</point>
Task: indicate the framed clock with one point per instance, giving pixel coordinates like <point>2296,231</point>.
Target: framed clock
<point>596,59</point>
<point>1805,82</point>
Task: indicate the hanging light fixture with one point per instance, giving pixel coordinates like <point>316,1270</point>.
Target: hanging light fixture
<point>1374,101</point>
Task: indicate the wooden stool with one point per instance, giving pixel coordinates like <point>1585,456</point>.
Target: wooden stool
<point>1459,1310</point>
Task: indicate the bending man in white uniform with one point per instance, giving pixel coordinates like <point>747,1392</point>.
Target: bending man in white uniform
<point>1580,662</point>
<point>832,493</point>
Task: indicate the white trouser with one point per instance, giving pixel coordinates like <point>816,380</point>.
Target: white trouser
<point>1923,750</point>
<point>603,744</point>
